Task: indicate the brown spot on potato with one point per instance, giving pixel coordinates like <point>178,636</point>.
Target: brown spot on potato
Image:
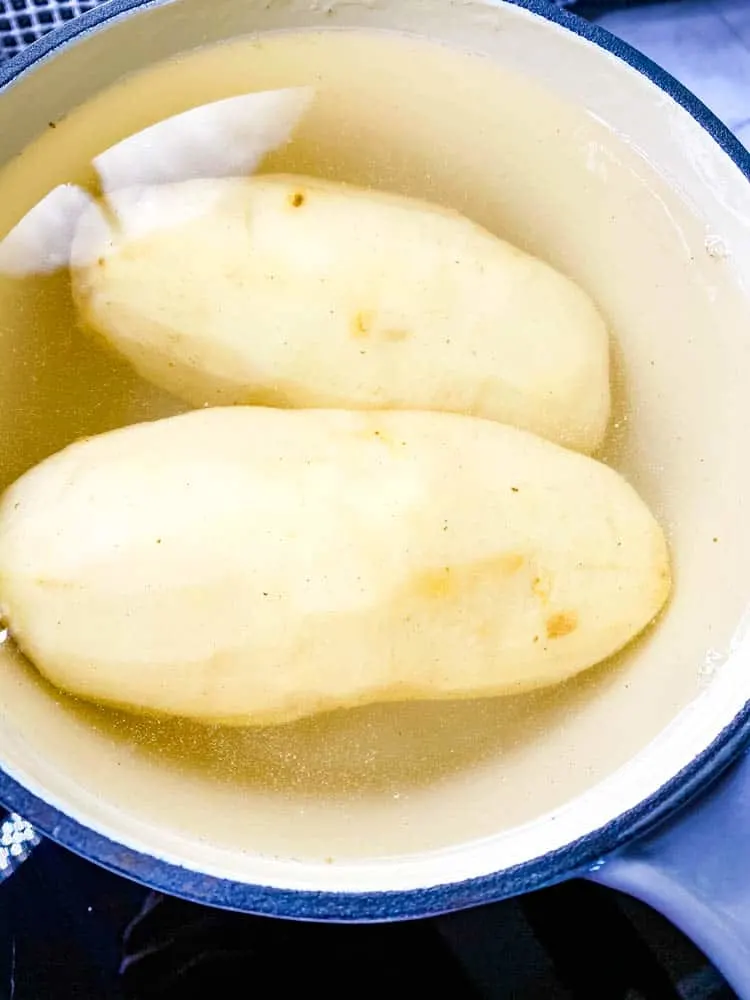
<point>449,581</point>
<point>371,429</point>
<point>540,587</point>
<point>508,563</point>
<point>361,323</point>
<point>382,436</point>
<point>435,583</point>
<point>561,624</point>
<point>296,199</point>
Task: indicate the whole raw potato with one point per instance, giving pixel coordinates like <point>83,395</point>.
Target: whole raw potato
<point>255,565</point>
<point>295,292</point>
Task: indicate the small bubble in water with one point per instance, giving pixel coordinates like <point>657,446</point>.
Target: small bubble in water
<point>713,659</point>
<point>716,247</point>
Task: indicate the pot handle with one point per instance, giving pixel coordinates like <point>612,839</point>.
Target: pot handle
<point>695,869</point>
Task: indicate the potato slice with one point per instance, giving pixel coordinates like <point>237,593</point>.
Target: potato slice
<point>254,565</point>
<point>295,292</point>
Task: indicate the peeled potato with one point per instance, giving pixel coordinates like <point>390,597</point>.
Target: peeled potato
<point>252,565</point>
<point>295,292</point>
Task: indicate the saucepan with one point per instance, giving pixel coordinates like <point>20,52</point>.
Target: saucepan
<point>580,150</point>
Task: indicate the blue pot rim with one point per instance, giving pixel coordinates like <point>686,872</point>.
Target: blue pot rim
<point>360,907</point>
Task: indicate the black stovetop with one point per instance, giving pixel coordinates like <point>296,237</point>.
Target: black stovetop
<point>63,936</point>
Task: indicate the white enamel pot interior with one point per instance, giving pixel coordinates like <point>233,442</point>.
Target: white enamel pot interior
<point>572,146</point>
